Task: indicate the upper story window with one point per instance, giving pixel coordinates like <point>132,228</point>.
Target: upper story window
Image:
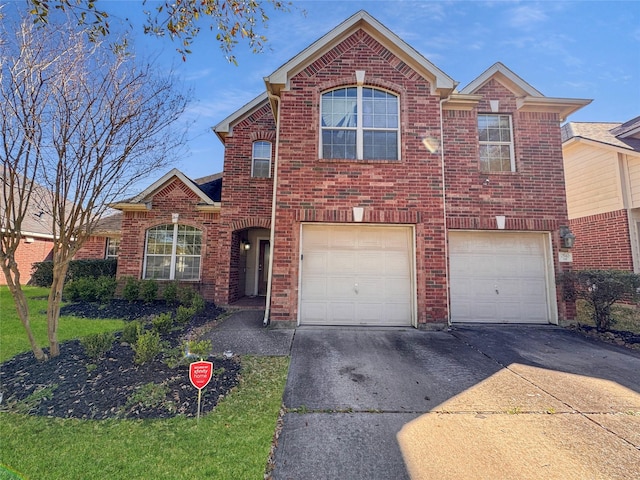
<point>360,123</point>
<point>172,252</point>
<point>261,159</point>
<point>496,143</point>
<point>113,245</point>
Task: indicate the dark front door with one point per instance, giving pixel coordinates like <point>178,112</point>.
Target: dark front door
<point>263,266</point>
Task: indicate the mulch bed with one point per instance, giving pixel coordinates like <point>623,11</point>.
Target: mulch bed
<point>72,385</point>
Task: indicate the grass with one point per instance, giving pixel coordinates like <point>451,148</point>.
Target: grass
<point>13,339</point>
<point>627,317</point>
<point>233,442</point>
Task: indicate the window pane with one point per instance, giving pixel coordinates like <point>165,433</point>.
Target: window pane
<point>262,150</point>
<point>261,168</point>
<point>187,268</point>
<point>158,267</point>
<point>339,108</point>
<point>380,145</point>
<point>339,144</point>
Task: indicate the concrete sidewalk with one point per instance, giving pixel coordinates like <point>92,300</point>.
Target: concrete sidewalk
<point>498,402</point>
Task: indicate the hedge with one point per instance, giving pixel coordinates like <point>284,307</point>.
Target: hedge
<point>42,272</point>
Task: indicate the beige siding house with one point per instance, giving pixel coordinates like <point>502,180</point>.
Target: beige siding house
<point>602,174</point>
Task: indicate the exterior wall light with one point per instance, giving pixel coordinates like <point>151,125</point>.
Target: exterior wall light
<point>245,245</point>
<point>567,237</point>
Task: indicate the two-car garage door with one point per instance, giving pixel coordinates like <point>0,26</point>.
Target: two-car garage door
<point>357,275</point>
<point>500,277</point>
<point>363,275</point>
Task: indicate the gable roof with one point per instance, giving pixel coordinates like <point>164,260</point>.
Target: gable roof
<point>225,127</point>
<point>528,98</point>
<point>604,133</point>
<point>441,82</point>
<point>143,201</point>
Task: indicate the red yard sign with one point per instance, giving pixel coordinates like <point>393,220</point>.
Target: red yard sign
<point>200,373</point>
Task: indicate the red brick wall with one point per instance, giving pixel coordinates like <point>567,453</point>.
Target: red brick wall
<point>246,201</point>
<point>27,254</point>
<point>602,242</point>
<point>92,249</point>
<point>408,191</point>
<point>173,198</point>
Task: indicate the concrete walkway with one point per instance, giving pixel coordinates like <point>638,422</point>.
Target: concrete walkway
<point>476,403</point>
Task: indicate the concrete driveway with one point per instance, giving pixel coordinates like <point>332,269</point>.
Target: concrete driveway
<point>498,402</point>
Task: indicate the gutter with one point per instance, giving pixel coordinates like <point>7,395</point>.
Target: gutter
<point>444,213</point>
<point>272,234</point>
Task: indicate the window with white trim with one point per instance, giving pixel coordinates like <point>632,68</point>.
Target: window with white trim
<point>360,123</point>
<point>172,252</point>
<point>261,159</point>
<point>496,143</point>
<point>113,245</point>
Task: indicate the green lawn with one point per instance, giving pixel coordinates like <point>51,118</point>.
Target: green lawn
<point>13,338</point>
<point>233,442</point>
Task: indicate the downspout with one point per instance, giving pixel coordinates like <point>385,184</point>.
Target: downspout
<point>272,235</point>
<point>444,213</point>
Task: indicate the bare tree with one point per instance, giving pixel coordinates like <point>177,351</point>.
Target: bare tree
<point>90,124</point>
<point>180,19</point>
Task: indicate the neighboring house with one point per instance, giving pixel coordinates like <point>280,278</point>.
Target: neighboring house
<point>104,241</point>
<point>399,200</point>
<point>36,231</point>
<point>602,175</point>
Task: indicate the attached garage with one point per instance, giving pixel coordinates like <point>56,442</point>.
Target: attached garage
<point>501,277</point>
<point>357,275</point>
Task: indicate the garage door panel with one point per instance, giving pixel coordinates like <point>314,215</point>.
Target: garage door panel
<point>499,277</point>
<point>367,275</point>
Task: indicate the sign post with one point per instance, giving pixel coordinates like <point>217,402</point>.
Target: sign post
<point>200,374</point>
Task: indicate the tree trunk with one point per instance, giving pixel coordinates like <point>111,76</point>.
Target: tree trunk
<point>53,305</point>
<point>12,275</point>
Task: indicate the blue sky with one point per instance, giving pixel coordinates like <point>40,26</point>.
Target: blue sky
<point>587,49</point>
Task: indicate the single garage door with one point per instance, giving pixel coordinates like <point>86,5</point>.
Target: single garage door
<point>356,275</point>
<point>500,277</point>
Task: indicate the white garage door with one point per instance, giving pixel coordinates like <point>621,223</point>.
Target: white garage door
<point>356,275</point>
<point>500,277</point>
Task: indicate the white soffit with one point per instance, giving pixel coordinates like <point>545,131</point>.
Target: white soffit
<point>225,127</point>
<point>505,76</point>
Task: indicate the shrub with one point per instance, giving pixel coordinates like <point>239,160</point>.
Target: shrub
<point>200,348</point>
<point>198,303</point>
<point>131,331</point>
<point>185,295</point>
<point>149,395</point>
<point>105,288</point>
<point>42,272</point>
<point>601,289</point>
<point>147,347</point>
<point>148,290</point>
<point>97,344</point>
<point>170,293</point>
<point>131,290</point>
<point>184,314</point>
<point>162,323</point>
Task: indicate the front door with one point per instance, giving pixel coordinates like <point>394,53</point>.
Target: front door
<point>263,266</point>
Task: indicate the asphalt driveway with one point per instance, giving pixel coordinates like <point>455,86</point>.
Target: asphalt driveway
<point>492,402</point>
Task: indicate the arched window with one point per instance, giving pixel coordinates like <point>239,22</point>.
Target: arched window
<point>172,252</point>
<point>360,123</point>
<point>261,159</point>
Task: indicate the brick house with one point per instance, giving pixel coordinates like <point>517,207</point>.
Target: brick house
<point>602,174</point>
<point>104,241</point>
<point>399,200</point>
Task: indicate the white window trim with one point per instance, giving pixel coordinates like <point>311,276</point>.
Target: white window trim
<point>106,250</point>
<point>174,257</point>
<point>512,157</point>
<point>359,128</point>
<point>254,158</point>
